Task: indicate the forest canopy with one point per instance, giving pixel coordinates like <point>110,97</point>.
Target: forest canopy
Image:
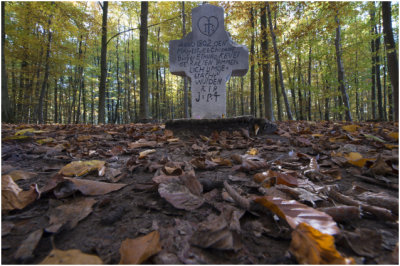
<point>51,60</point>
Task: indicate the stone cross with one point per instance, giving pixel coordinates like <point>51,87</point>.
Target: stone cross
<point>209,57</point>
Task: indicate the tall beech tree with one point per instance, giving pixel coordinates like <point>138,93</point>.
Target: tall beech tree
<point>103,65</point>
<point>144,90</point>
<point>393,63</point>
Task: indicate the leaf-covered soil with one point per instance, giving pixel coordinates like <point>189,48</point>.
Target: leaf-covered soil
<point>142,194</point>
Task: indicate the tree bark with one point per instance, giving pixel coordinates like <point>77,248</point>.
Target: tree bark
<point>266,66</point>
<point>289,112</point>
<point>393,63</point>
<point>103,66</point>
<point>341,76</point>
<point>378,74</point>
<point>252,56</point>
<point>6,111</point>
<point>144,91</point>
<point>373,68</point>
<point>46,75</point>
<point>185,83</point>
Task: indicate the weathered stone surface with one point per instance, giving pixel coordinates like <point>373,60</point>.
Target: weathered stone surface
<point>196,127</point>
<point>209,57</point>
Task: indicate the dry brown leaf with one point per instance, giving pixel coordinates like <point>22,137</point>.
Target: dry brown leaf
<point>343,213</point>
<point>143,154</point>
<point>94,188</point>
<point>68,215</point>
<point>222,161</point>
<point>80,168</point>
<point>310,246</point>
<point>203,163</point>
<point>138,250</point>
<point>253,165</point>
<point>252,151</point>
<point>6,227</point>
<point>295,213</point>
<point>71,256</point>
<point>13,197</point>
<point>271,178</point>
<point>142,143</point>
<point>216,233</point>
<point>19,174</point>
<point>364,242</point>
<point>380,167</point>
<point>183,193</point>
<point>27,246</point>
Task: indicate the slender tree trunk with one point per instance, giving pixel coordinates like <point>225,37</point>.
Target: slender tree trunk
<point>46,75</point>
<point>289,112</point>
<point>378,74</point>
<point>278,93</point>
<point>116,114</point>
<point>144,91</point>
<point>356,88</point>
<point>6,111</point>
<point>393,63</point>
<point>266,66</point>
<point>252,62</point>
<point>185,83</point>
<point>309,84</point>
<point>385,96</point>
<point>55,101</point>
<point>103,66</point>
<point>373,59</point>
<point>299,85</point>
<point>341,77</point>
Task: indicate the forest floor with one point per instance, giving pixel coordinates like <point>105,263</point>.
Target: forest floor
<point>312,192</point>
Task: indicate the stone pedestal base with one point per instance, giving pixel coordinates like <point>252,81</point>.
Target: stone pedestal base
<point>196,127</point>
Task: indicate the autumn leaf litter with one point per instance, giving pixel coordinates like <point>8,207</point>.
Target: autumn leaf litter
<point>138,193</point>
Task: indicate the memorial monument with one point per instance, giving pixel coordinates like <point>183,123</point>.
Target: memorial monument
<point>209,57</point>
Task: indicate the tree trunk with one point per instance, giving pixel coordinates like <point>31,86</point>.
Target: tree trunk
<point>289,112</point>
<point>373,68</point>
<point>116,114</point>
<point>299,85</point>
<point>309,85</point>
<point>185,83</point>
<point>266,66</point>
<point>144,92</point>
<point>55,102</point>
<point>6,111</point>
<point>252,57</point>
<point>341,77</point>
<point>103,66</point>
<point>46,75</point>
<point>393,63</point>
<point>378,74</point>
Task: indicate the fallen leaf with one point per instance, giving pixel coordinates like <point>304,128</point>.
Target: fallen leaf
<point>182,193</point>
<point>143,154</point>
<point>310,246</point>
<point>117,150</point>
<point>271,178</point>
<point>373,137</point>
<point>19,174</point>
<point>173,140</point>
<point>391,146</point>
<point>253,165</point>
<point>138,250</point>
<point>252,151</point>
<point>222,161</point>
<point>350,128</point>
<point>203,163</point>
<point>394,135</point>
<point>13,197</point>
<point>142,143</point>
<point>93,188</point>
<point>215,233</point>
<point>46,140</point>
<point>357,159</point>
<point>27,246</point>
<point>343,213</point>
<point>364,242</point>
<point>380,199</point>
<point>6,227</point>
<point>80,168</point>
<point>24,132</point>
<point>380,167</point>
<point>71,256</point>
<point>68,215</point>
<point>295,213</point>
<point>83,138</point>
